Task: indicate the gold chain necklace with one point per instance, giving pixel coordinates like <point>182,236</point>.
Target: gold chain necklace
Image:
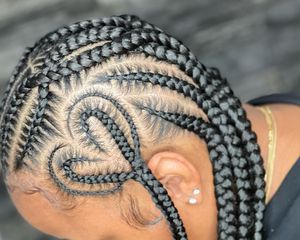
<point>272,137</point>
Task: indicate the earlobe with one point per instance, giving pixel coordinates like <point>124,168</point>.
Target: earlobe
<point>178,175</point>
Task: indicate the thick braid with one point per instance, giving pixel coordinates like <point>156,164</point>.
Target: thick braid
<point>117,48</point>
<point>178,86</point>
<point>95,35</point>
<point>51,39</point>
<point>66,31</point>
<point>43,92</point>
<point>40,110</point>
<point>244,195</point>
<point>43,89</point>
<point>189,91</point>
<point>149,49</point>
<point>245,186</point>
<point>163,201</point>
<point>231,105</point>
<point>252,149</point>
<point>221,166</point>
<point>59,35</point>
<point>233,148</point>
<point>159,194</point>
<point>141,173</point>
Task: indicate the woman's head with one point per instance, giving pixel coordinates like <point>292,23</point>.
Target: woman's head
<point>108,125</point>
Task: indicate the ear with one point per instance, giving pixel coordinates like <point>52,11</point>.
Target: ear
<point>178,175</point>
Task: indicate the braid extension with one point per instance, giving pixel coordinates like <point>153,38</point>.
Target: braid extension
<point>140,171</point>
<point>242,192</point>
<point>220,160</point>
<point>233,146</point>
<point>43,98</point>
<point>190,91</point>
<point>252,149</point>
<point>53,38</point>
<point>52,76</point>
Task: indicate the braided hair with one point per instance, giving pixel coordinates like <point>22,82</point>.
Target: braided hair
<point>117,49</point>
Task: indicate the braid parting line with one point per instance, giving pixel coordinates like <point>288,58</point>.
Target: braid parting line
<point>67,52</point>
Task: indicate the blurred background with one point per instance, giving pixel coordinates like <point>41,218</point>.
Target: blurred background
<point>255,44</point>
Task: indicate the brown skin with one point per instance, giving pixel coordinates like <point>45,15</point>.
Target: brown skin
<point>181,165</point>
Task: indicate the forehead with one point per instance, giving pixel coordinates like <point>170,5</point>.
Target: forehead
<point>85,216</point>
<point>93,218</point>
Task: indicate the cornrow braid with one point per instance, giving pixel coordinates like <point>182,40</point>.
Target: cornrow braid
<point>41,48</point>
<point>64,56</point>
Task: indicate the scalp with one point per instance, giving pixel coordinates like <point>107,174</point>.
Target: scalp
<point>88,96</point>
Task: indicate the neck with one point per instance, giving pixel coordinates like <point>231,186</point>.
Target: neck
<point>288,137</point>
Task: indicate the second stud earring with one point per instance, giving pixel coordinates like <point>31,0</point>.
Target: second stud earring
<point>192,199</point>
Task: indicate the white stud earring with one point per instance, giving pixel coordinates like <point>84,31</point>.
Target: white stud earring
<point>196,191</point>
<point>193,200</point>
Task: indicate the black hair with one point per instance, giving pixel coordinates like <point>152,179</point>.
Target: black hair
<point>63,58</point>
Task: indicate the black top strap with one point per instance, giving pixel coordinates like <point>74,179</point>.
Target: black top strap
<point>292,98</point>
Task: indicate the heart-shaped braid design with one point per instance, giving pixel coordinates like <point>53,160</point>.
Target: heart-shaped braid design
<point>98,76</point>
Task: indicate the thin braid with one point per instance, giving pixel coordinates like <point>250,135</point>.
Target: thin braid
<point>50,39</point>
<point>243,229</point>
<point>221,166</point>
<point>152,52</point>
<point>235,154</point>
<point>189,91</point>
<point>67,170</point>
<point>3,107</point>
<point>17,70</point>
<point>144,175</point>
<point>116,49</point>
